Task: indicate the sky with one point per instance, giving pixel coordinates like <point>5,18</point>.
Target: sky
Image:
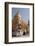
<point>23,11</point>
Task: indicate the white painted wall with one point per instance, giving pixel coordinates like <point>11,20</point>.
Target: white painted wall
<point>2,23</point>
